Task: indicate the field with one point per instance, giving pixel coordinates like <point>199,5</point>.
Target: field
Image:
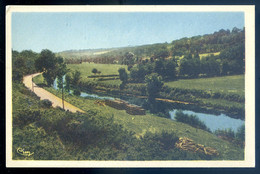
<point>207,54</point>
<point>228,84</point>
<point>106,69</point>
<point>86,68</point>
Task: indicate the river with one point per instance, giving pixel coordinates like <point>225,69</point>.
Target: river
<point>214,122</point>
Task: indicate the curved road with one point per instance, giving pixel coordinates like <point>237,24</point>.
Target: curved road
<point>43,94</point>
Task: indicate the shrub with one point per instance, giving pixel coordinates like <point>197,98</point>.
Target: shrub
<point>46,103</point>
<point>240,134</point>
<point>226,133</point>
<point>76,92</point>
<point>26,116</point>
<point>192,120</point>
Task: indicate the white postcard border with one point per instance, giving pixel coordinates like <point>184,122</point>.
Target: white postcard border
<point>249,11</point>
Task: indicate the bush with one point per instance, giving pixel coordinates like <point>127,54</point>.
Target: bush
<point>226,133</point>
<point>240,135</point>
<point>192,120</point>
<point>237,138</point>
<point>76,92</point>
<point>25,117</point>
<point>46,103</point>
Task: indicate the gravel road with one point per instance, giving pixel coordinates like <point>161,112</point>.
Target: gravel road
<point>43,94</point>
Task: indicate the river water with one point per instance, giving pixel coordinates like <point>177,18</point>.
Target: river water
<point>213,122</point>
<point>82,94</point>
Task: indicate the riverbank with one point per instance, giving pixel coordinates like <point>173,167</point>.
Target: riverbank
<point>135,94</point>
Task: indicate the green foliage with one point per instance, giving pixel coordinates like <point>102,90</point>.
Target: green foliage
<point>68,82</point>
<point>165,68</point>
<point>26,116</point>
<point>128,59</point>
<point>154,84</point>
<point>76,92</point>
<point>94,71</point>
<point>235,137</point>
<point>41,145</point>
<point>233,59</point>
<point>123,77</point>
<point>76,76</point>
<point>210,66</point>
<point>227,133</point>
<point>139,125</point>
<point>240,134</point>
<point>192,120</point>
<point>230,45</point>
<point>139,72</point>
<point>23,64</point>
<point>46,103</point>
<point>18,69</point>
<point>60,82</point>
<point>227,85</point>
<point>189,66</point>
<point>50,65</point>
<point>52,134</point>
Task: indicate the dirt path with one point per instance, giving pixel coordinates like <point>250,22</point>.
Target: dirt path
<point>43,94</point>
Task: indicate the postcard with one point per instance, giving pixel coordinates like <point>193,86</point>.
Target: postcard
<point>130,86</point>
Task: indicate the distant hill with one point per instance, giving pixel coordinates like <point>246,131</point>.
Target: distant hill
<point>78,54</point>
<point>203,45</point>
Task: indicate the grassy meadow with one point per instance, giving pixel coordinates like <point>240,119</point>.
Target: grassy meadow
<point>228,84</point>
<point>106,69</point>
<point>86,68</point>
<point>208,54</point>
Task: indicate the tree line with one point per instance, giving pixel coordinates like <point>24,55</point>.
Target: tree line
<point>230,61</point>
<point>209,43</point>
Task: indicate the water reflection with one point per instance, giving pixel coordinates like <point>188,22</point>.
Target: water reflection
<point>214,122</point>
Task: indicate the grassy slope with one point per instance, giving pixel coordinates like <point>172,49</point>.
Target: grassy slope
<point>31,137</point>
<point>150,123</point>
<point>228,84</point>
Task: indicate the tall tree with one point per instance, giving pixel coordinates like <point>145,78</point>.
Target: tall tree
<point>170,69</point>
<point>158,68</point>
<point>61,71</point>
<point>18,69</point>
<point>76,76</point>
<point>47,63</point>
<point>154,84</point>
<point>123,77</point>
<point>68,81</point>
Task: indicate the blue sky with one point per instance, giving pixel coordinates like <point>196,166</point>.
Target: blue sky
<point>66,31</point>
